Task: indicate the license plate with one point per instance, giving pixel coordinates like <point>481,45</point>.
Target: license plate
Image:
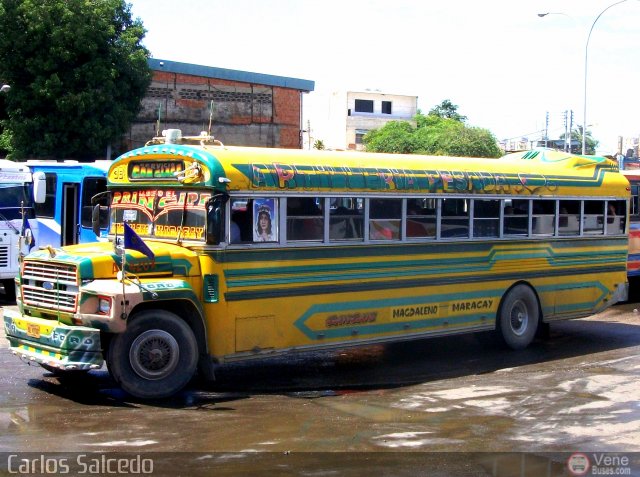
<point>33,330</point>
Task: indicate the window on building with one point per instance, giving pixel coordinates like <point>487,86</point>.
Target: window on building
<point>360,135</point>
<point>386,107</point>
<point>364,106</point>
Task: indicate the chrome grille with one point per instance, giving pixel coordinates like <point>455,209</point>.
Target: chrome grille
<point>4,256</point>
<point>50,285</point>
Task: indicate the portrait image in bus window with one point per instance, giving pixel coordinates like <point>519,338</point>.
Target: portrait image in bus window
<point>265,220</point>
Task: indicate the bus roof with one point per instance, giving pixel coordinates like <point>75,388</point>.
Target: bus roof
<point>540,172</point>
<point>99,167</point>
<point>14,172</point>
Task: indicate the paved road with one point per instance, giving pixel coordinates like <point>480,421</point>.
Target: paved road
<point>382,407</point>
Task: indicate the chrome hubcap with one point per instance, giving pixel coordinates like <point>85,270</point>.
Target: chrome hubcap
<point>154,354</point>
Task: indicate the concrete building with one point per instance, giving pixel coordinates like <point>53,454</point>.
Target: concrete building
<point>247,109</point>
<point>346,116</point>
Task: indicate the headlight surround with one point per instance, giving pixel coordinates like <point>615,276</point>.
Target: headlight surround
<point>104,305</point>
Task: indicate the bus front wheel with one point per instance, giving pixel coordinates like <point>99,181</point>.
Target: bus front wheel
<point>155,357</point>
<point>518,317</point>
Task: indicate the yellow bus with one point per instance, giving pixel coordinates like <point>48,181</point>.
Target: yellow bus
<point>240,253</point>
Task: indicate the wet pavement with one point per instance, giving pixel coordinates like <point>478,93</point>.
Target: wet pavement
<point>449,406</point>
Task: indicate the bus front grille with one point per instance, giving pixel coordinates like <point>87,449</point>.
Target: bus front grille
<point>4,256</point>
<point>50,285</point>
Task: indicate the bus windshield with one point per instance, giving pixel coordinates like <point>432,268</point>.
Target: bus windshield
<point>160,213</point>
<point>14,197</point>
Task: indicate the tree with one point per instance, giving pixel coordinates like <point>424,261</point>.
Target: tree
<point>77,71</point>
<point>447,110</point>
<point>434,135</point>
<point>590,143</point>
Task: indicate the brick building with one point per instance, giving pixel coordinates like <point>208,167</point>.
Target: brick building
<point>249,109</point>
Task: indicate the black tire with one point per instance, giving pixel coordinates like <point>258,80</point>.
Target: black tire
<point>9,290</point>
<point>155,357</point>
<point>518,317</point>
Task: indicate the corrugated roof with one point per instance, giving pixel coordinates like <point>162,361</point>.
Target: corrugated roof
<point>232,75</point>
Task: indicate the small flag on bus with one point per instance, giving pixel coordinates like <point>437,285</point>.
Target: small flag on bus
<point>132,241</point>
<point>27,233</point>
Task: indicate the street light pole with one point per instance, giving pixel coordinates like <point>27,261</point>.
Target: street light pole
<point>586,53</point>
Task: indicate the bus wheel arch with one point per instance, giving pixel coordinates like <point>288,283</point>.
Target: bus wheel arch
<point>192,315</point>
<point>156,356</point>
<point>519,315</point>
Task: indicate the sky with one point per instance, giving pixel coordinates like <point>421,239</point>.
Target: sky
<point>497,60</point>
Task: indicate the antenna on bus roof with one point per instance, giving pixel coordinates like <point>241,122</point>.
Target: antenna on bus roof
<point>210,117</point>
<point>158,121</point>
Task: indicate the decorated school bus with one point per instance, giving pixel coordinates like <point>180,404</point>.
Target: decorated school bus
<point>219,254</point>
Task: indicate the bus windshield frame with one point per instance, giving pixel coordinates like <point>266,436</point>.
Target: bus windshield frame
<point>169,213</point>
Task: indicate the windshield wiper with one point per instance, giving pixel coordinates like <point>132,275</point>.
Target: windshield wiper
<point>15,229</point>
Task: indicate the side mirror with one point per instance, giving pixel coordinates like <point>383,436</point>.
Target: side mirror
<point>100,213</point>
<point>95,220</point>
<point>39,187</point>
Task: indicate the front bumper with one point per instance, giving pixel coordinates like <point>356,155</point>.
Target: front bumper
<point>51,343</point>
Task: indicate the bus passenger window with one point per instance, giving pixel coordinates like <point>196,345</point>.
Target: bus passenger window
<point>240,223</point>
<point>486,217</point>
<point>569,223</point>
<point>593,221</point>
<point>455,218</point>
<point>90,187</point>
<point>516,217</point>
<point>421,218</point>
<point>48,207</point>
<point>616,216</point>
<point>345,222</point>
<point>304,219</point>
<point>544,213</point>
<point>385,216</point>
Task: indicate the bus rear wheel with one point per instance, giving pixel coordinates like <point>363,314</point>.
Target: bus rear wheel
<point>155,357</point>
<point>518,317</point>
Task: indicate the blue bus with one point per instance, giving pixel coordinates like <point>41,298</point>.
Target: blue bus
<point>65,216</point>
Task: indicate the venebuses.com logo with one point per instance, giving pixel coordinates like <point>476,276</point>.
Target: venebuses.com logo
<point>580,463</point>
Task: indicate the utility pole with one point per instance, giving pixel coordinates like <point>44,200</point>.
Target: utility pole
<point>546,130</point>
<point>571,131</point>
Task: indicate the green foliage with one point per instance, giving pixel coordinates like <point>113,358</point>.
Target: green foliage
<point>77,71</point>
<point>395,136</point>
<point>318,144</point>
<point>433,135</point>
<point>447,110</point>
<point>590,143</point>
<point>5,142</point>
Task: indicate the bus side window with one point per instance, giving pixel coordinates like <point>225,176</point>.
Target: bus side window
<point>90,187</point>
<point>48,207</point>
<point>240,220</point>
<point>385,217</point>
<point>345,222</point>
<point>304,219</point>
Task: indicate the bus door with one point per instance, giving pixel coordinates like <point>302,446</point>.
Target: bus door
<point>69,216</point>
